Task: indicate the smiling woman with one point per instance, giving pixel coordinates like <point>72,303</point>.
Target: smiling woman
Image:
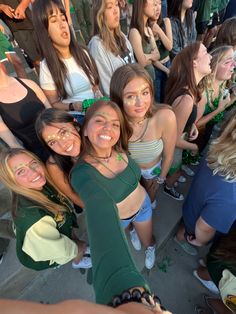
<point>68,74</point>
<point>42,215</point>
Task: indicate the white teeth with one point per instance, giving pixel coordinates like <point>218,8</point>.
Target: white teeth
<point>36,179</point>
<point>105,137</point>
<point>69,148</point>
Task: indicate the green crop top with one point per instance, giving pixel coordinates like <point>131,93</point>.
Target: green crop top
<point>113,267</point>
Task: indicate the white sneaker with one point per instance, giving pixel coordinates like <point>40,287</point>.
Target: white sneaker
<point>188,171</point>
<point>85,262</point>
<point>207,283</point>
<point>154,204</point>
<point>150,257</point>
<point>135,239</point>
<point>182,179</point>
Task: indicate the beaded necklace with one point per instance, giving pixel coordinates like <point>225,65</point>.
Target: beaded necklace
<point>119,157</point>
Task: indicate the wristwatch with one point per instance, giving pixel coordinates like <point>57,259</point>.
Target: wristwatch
<point>71,107</point>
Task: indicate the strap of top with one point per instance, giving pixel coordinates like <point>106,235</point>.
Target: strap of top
<point>22,83</point>
<point>143,134</point>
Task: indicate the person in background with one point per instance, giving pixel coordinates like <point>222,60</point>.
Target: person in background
<point>183,25</point>
<point>162,32</point>
<point>141,36</point>
<point>43,217</point>
<point>109,46</point>
<point>183,94</point>
<point>68,75</point>
<point>19,96</point>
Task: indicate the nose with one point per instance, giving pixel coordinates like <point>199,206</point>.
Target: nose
<point>107,125</point>
<point>139,100</point>
<point>62,143</point>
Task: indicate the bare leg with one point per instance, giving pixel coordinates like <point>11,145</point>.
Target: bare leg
<point>180,232</point>
<point>203,273</point>
<point>218,306</point>
<point>144,231</point>
<point>170,180</point>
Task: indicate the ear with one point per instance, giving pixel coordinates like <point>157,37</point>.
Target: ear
<point>195,63</point>
<point>85,132</point>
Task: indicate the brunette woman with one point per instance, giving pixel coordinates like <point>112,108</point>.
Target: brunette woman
<point>141,35</point>
<point>105,171</point>
<point>183,93</point>
<point>68,75</point>
<point>109,46</point>
<point>183,25</point>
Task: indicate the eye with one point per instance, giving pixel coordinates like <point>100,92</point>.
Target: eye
<point>20,172</point>
<point>131,97</point>
<point>52,20</point>
<point>51,143</point>
<point>116,125</point>
<point>146,93</point>
<point>100,121</point>
<point>34,163</point>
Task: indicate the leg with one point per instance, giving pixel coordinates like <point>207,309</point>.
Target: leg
<point>217,305</point>
<point>203,273</point>
<point>144,230</point>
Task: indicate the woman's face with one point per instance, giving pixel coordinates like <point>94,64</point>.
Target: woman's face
<point>62,138</point>
<point>137,98</point>
<point>58,29</point>
<point>28,172</point>
<point>187,4</point>
<point>112,14</point>
<point>103,129</point>
<point>149,8</point>
<point>225,67</point>
<point>157,9</point>
<point>202,62</point>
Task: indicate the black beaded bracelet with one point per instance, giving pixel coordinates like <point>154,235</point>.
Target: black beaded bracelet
<point>135,296</point>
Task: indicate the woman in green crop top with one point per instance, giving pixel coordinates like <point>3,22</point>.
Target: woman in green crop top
<point>215,98</point>
<point>105,169</point>
<point>154,130</point>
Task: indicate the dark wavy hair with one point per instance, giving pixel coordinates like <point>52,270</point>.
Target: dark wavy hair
<point>40,12</point>
<point>51,116</point>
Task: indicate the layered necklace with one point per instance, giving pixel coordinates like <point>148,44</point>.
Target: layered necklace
<point>142,123</point>
<point>119,157</point>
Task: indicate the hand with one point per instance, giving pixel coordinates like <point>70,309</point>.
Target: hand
<point>224,103</point>
<point>193,134</point>
<point>20,12</point>
<point>194,150</point>
<point>192,240</point>
<point>6,9</point>
<point>2,29</point>
<point>154,56</point>
<point>77,106</point>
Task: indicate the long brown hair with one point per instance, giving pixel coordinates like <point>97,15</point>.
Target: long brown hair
<point>122,144</point>
<point>182,75</point>
<point>226,248</point>
<point>137,18</point>
<point>227,33</point>
<point>122,76</point>
<point>115,43</point>
<point>57,68</point>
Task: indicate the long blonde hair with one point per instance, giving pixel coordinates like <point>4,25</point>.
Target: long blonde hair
<point>37,197</point>
<point>221,157</point>
<point>115,43</point>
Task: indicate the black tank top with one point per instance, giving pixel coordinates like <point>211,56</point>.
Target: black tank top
<point>20,119</point>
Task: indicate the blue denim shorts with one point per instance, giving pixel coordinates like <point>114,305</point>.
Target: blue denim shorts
<point>143,214</point>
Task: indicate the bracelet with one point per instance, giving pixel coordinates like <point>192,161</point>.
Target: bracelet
<point>160,180</point>
<point>136,296</point>
<point>71,106</point>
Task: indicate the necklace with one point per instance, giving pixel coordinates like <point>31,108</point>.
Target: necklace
<point>106,159</point>
<point>142,133</point>
<point>119,157</point>
<point>139,123</point>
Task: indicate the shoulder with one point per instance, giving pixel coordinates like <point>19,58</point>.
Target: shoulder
<point>34,86</point>
<point>164,115</point>
<point>43,64</point>
<point>134,32</point>
<point>183,100</point>
<point>95,41</point>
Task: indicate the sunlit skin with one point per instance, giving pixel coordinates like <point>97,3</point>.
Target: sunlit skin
<point>103,130</point>
<point>137,99</point>
<point>62,138</point>
<point>112,14</point>
<point>58,31</point>
<point>149,8</point>
<point>202,63</point>
<point>27,171</point>
<point>225,67</point>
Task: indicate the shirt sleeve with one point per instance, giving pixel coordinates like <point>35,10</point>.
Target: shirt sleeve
<point>45,78</point>
<point>43,242</point>
<point>175,34</point>
<point>219,214</point>
<point>104,66</point>
<point>113,267</point>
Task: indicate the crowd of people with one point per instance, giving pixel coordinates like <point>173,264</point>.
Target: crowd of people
<point>128,98</point>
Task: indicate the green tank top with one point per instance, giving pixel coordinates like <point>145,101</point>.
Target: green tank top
<point>215,103</point>
<point>147,49</point>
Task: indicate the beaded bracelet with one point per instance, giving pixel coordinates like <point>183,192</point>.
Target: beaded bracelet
<point>136,296</point>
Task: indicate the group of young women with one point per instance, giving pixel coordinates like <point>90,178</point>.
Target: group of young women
<point>113,163</point>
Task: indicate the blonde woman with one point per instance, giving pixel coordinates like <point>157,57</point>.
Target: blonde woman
<point>42,215</point>
<point>109,46</point>
<point>216,97</point>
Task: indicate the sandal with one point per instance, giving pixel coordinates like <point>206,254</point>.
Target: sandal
<point>187,247</point>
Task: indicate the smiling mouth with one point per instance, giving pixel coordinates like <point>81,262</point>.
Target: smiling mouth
<point>105,137</point>
<point>69,148</point>
<point>36,179</point>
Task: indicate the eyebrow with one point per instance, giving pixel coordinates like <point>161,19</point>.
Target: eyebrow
<point>104,116</point>
<point>23,165</point>
<point>134,92</point>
